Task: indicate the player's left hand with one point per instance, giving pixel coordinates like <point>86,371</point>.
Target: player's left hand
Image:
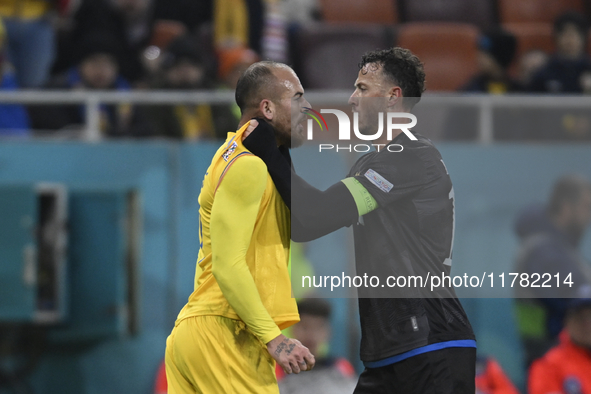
<point>290,354</point>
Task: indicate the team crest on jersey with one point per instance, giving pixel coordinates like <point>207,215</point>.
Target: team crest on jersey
<point>378,180</point>
<point>230,150</point>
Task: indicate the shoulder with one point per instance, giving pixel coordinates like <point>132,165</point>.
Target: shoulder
<point>246,161</point>
<point>244,178</point>
<point>246,169</point>
<point>421,147</point>
<point>419,154</point>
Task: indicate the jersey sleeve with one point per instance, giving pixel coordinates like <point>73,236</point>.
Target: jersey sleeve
<point>233,215</point>
<point>392,176</point>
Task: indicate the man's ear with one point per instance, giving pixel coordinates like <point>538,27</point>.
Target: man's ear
<point>394,96</point>
<point>267,109</point>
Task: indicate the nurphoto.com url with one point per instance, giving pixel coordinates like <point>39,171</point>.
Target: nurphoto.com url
<point>433,282</point>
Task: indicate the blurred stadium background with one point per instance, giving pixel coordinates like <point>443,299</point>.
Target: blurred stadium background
<point>99,177</point>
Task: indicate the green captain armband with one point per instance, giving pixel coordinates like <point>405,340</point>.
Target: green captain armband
<point>363,199</point>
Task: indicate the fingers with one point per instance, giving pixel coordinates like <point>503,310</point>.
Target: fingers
<point>251,126</point>
<point>309,360</point>
<point>286,369</point>
<point>295,367</point>
<point>300,361</point>
<point>292,366</point>
<point>303,366</point>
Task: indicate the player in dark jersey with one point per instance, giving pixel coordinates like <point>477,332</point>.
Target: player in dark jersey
<point>401,204</point>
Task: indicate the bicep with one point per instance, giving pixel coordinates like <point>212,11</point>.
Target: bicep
<point>236,204</point>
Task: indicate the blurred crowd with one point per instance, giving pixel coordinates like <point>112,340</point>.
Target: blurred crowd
<point>127,45</point>
<point>205,44</point>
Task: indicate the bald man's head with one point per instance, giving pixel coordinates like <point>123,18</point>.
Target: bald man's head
<point>257,83</point>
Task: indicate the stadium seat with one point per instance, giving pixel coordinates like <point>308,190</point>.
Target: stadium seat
<point>482,13</point>
<point>536,11</point>
<point>531,36</point>
<point>326,55</point>
<point>448,50</point>
<point>366,11</point>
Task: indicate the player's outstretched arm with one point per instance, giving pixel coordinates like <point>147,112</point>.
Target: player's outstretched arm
<point>233,215</point>
<point>314,212</point>
<point>290,354</point>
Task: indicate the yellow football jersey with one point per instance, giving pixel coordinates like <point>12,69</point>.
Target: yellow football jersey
<point>244,231</point>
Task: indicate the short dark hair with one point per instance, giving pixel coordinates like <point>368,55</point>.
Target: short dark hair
<point>567,190</point>
<point>257,83</point>
<point>403,68</point>
<point>314,307</point>
<point>574,18</point>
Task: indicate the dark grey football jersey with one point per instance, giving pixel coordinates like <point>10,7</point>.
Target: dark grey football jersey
<point>409,234</point>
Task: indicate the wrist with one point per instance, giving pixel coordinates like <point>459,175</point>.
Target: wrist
<point>273,337</point>
<point>276,340</point>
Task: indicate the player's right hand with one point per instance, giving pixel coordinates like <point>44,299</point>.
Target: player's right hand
<point>290,354</point>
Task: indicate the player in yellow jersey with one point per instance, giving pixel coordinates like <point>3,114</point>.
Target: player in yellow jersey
<point>228,337</point>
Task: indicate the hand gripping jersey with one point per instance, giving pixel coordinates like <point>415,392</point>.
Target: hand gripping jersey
<point>244,230</point>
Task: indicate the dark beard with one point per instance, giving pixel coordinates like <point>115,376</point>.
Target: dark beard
<point>283,139</point>
<point>289,140</point>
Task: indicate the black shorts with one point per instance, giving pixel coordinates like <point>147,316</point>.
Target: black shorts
<point>444,371</point>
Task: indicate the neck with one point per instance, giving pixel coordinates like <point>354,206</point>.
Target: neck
<point>246,117</point>
<point>242,122</point>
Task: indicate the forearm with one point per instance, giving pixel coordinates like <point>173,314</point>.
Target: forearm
<point>321,212</point>
<point>301,233</point>
<point>314,209</point>
<point>314,212</point>
<point>237,285</point>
